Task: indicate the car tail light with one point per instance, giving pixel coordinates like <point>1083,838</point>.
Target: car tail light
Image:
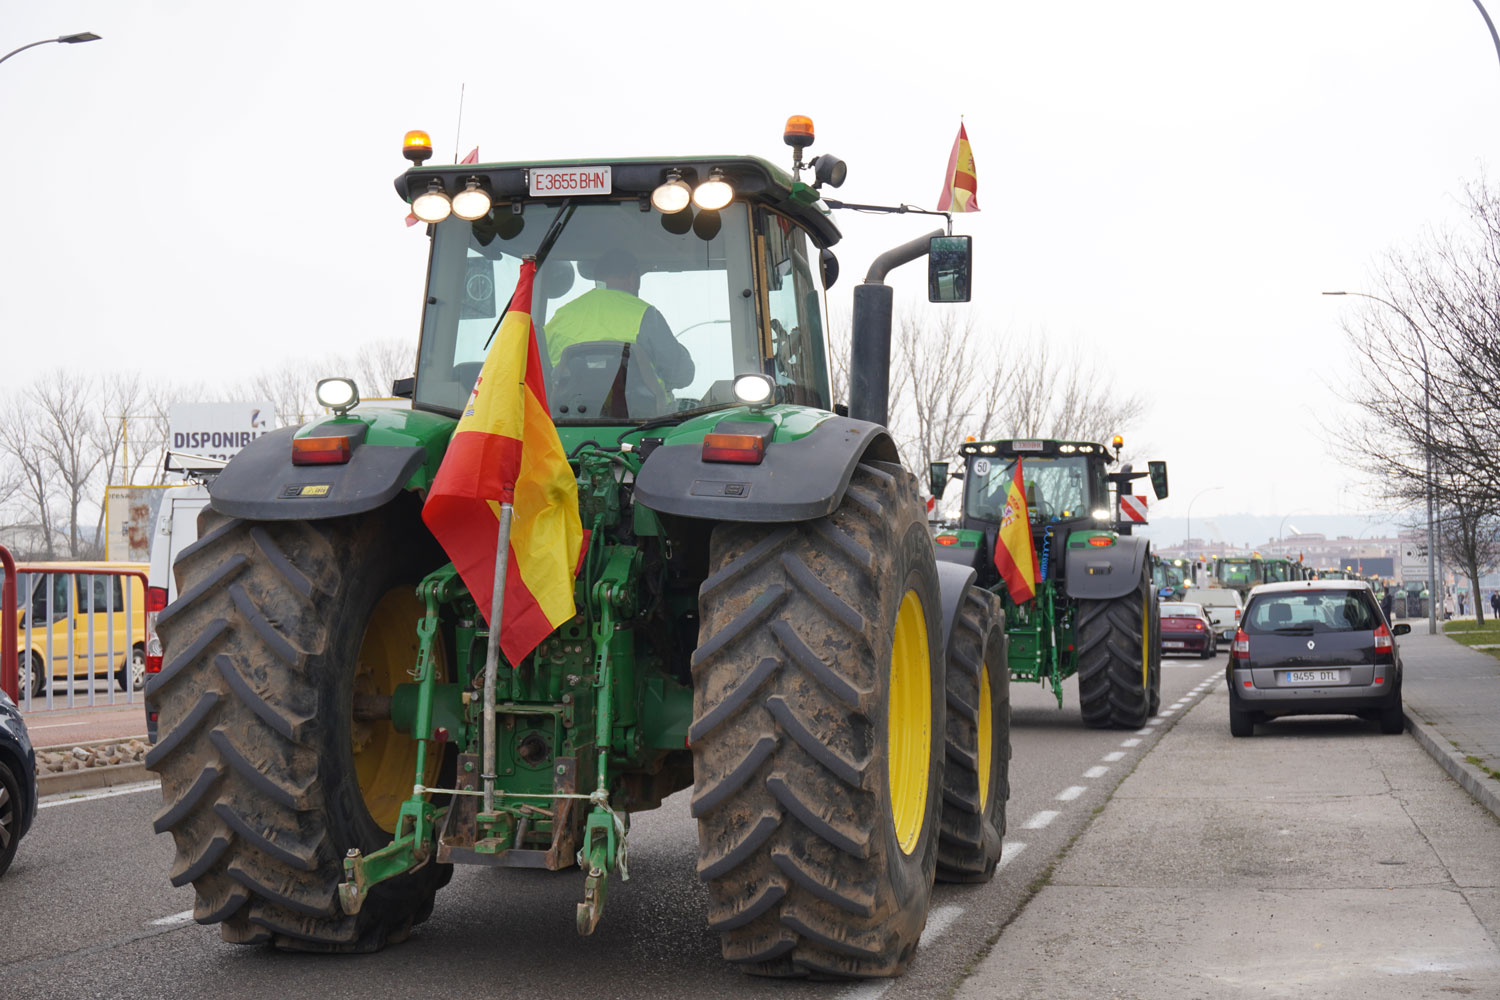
<point>1236,613</point>
<point>1198,626</point>
<point>1241,646</point>
<point>156,600</point>
<point>1385,646</point>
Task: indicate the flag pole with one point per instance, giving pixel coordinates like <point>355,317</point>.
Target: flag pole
<point>492,654</point>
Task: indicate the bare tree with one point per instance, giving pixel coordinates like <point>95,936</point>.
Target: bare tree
<point>378,364</point>
<point>21,441</point>
<point>65,406</point>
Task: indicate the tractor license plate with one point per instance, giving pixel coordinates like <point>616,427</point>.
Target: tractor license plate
<point>1173,645</point>
<point>1313,677</point>
<point>551,182</point>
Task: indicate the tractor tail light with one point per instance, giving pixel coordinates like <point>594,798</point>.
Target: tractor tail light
<point>1241,646</point>
<point>321,450</point>
<point>740,441</point>
<point>947,539</point>
<point>156,600</point>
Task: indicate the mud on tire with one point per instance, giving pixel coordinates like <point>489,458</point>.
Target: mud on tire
<point>1119,659</point>
<point>797,822</point>
<point>975,792</point>
<point>255,700</point>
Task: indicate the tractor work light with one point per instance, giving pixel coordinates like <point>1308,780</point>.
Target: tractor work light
<point>473,202</point>
<point>714,193</point>
<point>338,394</point>
<point>754,388</point>
<point>1101,514</point>
<point>671,195</point>
<point>432,205</point>
<point>417,146</point>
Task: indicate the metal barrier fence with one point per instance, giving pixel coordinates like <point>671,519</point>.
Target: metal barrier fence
<point>66,625</point>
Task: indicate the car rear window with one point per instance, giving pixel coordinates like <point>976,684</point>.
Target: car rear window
<point>1217,598</point>
<point>1312,611</point>
<point>1181,610</point>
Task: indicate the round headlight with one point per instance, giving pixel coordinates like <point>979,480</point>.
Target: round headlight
<point>752,389</point>
<point>337,393</point>
<point>672,195</point>
<point>432,205</point>
<point>471,203</point>
<point>714,193</point>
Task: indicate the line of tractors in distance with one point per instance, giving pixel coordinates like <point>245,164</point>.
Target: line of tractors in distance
<point>1174,577</point>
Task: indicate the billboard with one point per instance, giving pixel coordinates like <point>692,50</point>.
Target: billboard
<point>206,435</point>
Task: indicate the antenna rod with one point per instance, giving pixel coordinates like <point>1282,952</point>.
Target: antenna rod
<point>459,130</point>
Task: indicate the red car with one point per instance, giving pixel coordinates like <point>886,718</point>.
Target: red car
<point>1185,628</point>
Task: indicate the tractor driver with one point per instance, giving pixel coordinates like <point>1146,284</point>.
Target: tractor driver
<point>615,312</point>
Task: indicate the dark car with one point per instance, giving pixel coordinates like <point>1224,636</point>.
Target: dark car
<point>17,781</point>
<point>1315,647</point>
<point>1186,628</point>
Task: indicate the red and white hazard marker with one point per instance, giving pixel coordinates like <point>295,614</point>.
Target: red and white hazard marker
<point>1133,508</point>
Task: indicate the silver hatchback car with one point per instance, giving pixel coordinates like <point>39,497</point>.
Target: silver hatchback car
<point>1314,647</point>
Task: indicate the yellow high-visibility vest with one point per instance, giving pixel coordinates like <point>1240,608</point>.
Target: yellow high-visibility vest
<point>602,314</point>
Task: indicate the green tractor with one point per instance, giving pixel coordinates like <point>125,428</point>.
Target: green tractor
<point>1239,573</point>
<point>1171,578</point>
<point>1094,614</point>
<point>760,617</point>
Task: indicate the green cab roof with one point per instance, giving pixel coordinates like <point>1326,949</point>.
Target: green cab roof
<point>752,178</point>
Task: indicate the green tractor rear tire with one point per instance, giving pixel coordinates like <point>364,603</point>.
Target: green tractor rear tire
<point>818,735</point>
<point>265,789</point>
<point>1119,659</point>
<point>976,779</point>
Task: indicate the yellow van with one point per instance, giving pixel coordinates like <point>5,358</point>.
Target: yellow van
<point>97,613</point>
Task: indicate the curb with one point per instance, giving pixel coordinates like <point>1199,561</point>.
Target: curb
<point>91,777</point>
<point>1484,789</point>
<point>56,782</point>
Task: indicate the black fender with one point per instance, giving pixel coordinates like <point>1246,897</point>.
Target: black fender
<point>1104,572</point>
<point>796,481</point>
<point>261,482</point>
<point>952,579</point>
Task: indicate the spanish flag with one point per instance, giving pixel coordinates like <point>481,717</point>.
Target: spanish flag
<point>960,183</point>
<point>505,449</point>
<point>1015,554</point>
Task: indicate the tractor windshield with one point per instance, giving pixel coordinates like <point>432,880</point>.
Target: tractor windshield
<point>1055,487</point>
<point>632,321</point>
<point>1239,572</point>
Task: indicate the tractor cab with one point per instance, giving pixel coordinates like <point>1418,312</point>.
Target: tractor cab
<point>659,283</point>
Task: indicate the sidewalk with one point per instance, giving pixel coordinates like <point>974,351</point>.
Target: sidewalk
<point>1452,699</point>
<point>50,728</point>
<point>1317,859</point>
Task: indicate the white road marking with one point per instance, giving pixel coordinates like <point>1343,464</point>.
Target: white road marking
<point>1167,713</point>
<point>1144,732</point>
<point>68,798</point>
<point>939,920</point>
<point>1158,720</point>
<point>1178,704</point>
<point>1041,819</point>
<point>185,917</point>
<point>1112,756</point>
<point>1097,771</point>
<point>1132,742</point>
<point>1008,854</point>
<point>1071,792</point>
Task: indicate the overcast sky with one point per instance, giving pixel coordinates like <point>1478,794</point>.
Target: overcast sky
<point>1169,183</point>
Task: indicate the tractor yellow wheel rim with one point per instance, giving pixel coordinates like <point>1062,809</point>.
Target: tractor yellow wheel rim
<point>385,761</point>
<point>909,724</point>
<point>986,736</point>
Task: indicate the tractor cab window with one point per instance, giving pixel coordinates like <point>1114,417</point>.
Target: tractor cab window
<point>632,321</point>
<point>1056,488</point>
<point>796,361</point>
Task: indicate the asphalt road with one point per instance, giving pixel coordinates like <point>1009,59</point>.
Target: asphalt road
<point>86,909</point>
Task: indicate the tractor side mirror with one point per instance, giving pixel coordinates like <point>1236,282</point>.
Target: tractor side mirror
<point>937,478</point>
<point>949,261</point>
<point>829,264</point>
<point>1158,472</point>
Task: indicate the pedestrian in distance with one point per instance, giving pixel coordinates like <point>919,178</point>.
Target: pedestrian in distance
<point>1495,602</point>
<point>1387,603</point>
<point>1461,604</point>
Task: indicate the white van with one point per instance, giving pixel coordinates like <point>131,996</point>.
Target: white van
<point>1223,607</point>
<point>176,529</point>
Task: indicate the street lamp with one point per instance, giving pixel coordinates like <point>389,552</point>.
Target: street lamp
<point>1279,536</point>
<point>1432,581</point>
<point>82,36</point>
<point>1489,24</point>
<point>1189,537</point>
